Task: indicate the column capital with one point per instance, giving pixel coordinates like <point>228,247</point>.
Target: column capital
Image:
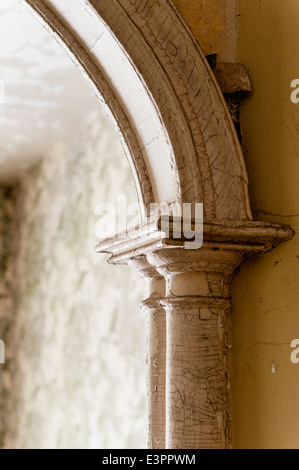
<point>188,325</point>
<point>245,237</point>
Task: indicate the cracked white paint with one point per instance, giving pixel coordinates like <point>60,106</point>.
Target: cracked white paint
<point>204,153</point>
<point>129,89</point>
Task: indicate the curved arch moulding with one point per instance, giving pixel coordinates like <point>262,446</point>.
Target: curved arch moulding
<point>149,71</point>
<point>164,100</point>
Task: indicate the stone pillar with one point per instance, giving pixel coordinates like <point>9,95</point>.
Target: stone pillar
<point>193,388</point>
<point>156,351</point>
<point>197,305</point>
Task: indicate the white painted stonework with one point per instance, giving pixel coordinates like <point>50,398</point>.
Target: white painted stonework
<point>165,102</point>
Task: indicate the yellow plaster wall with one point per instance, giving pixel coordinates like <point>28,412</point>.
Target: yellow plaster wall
<point>265,383</point>
<point>213,22</point>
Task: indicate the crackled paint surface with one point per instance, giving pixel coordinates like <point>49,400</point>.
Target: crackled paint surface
<point>80,338</point>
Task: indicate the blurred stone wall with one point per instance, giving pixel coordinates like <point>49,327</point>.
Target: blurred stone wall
<point>7,298</point>
<point>79,336</point>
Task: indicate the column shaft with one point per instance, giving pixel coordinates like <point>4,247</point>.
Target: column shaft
<point>156,364</point>
<point>156,351</point>
<point>197,406</point>
<point>197,305</point>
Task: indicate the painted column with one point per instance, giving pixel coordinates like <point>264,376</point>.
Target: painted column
<point>156,351</point>
<point>193,387</point>
<point>197,306</point>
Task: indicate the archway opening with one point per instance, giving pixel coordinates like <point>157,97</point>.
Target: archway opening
<point>74,375</point>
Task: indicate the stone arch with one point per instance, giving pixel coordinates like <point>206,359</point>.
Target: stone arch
<point>163,98</point>
<point>147,68</point>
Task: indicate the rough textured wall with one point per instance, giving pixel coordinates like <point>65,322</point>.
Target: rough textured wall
<point>266,320</point>
<point>7,303</point>
<point>79,375</point>
<point>213,23</point>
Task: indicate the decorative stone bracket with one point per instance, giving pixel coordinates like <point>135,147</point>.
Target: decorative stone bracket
<point>234,82</point>
<point>232,77</point>
<point>188,307</point>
